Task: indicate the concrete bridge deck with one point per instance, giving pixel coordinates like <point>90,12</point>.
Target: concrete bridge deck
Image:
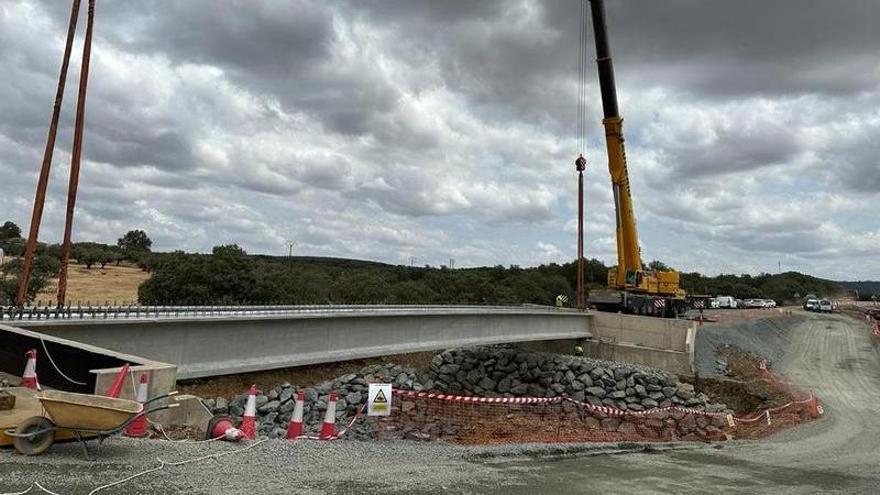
<point>216,342</point>
<point>206,341</point>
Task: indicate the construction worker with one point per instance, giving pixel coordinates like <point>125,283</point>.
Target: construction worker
<point>578,350</point>
<point>561,300</point>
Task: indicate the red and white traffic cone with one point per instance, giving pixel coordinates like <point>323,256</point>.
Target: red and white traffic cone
<point>815,408</point>
<point>138,427</point>
<point>221,427</point>
<point>295,428</point>
<point>29,378</point>
<point>248,421</point>
<point>116,387</point>
<point>328,429</point>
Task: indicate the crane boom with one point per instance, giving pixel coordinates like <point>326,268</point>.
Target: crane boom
<point>632,289</point>
<point>629,259</point>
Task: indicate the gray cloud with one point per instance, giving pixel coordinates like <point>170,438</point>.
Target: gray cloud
<point>390,129</point>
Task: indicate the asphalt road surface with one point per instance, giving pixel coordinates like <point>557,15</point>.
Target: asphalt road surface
<point>829,354</point>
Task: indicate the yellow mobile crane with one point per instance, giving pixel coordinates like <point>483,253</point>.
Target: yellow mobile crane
<point>631,288</point>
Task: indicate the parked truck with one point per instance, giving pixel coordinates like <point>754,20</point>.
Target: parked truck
<point>726,302</point>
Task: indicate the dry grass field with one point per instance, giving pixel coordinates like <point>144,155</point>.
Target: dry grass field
<point>113,283</point>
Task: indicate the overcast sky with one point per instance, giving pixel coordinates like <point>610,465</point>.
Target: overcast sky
<point>387,130</point>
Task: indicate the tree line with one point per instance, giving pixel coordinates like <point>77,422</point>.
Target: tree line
<point>134,247</point>
<point>230,276</point>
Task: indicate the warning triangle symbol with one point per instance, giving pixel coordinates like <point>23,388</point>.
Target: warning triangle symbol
<point>380,397</point>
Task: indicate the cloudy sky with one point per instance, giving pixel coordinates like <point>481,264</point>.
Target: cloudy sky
<point>395,129</point>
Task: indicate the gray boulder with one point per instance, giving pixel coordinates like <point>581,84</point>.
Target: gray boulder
<point>596,391</point>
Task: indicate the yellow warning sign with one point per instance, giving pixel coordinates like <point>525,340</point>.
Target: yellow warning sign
<point>379,399</point>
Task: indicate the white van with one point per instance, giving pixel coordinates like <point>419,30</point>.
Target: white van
<point>726,302</point>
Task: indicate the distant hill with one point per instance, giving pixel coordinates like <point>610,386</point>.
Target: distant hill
<point>782,287</point>
<point>866,288</point>
<point>325,261</point>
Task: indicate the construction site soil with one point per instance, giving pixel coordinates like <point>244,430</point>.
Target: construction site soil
<point>307,376</point>
<point>831,355</point>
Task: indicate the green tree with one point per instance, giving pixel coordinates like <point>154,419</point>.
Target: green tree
<point>106,256</point>
<point>659,266</point>
<point>44,268</point>
<point>15,246</point>
<point>88,257</point>
<point>134,243</point>
<point>9,230</point>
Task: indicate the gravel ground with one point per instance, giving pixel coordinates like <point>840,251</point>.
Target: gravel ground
<point>277,466</point>
<point>830,354</point>
<point>766,337</point>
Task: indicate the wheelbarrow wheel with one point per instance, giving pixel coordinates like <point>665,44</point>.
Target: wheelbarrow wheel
<point>31,443</point>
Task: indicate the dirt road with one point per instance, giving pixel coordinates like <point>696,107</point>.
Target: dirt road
<point>830,354</point>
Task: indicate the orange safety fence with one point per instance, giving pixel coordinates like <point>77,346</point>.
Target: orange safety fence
<point>494,420</point>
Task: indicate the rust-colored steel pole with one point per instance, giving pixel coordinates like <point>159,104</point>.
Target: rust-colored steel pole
<point>77,153</point>
<point>580,165</point>
<point>42,183</point>
<point>580,264</point>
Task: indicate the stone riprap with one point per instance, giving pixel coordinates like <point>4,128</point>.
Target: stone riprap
<point>506,371</point>
<point>484,371</point>
<point>275,406</point>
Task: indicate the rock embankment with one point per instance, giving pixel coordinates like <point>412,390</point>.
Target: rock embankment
<point>275,406</point>
<point>505,371</point>
<point>484,371</point>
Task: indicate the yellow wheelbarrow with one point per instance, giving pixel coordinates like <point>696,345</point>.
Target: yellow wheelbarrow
<point>84,415</point>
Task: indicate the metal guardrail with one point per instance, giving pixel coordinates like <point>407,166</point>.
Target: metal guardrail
<point>116,312</point>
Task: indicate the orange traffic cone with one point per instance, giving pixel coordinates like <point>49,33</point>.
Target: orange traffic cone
<point>116,386</point>
<point>295,428</point>
<point>328,429</point>
<point>248,421</point>
<point>29,378</point>
<point>815,407</point>
<point>221,428</point>
<point>138,427</point>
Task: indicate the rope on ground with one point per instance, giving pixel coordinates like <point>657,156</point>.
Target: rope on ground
<point>41,487</point>
<point>46,350</point>
<point>163,463</point>
<point>33,485</point>
<point>18,493</point>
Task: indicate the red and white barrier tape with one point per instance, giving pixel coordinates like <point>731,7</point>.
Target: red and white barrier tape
<point>607,410</point>
<point>480,400</point>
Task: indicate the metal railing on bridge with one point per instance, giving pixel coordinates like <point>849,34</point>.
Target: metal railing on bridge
<point>106,312</point>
